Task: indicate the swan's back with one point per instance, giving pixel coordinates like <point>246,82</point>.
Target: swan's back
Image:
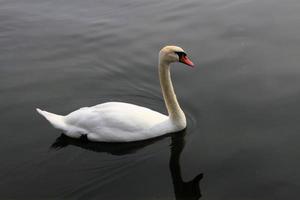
<point>124,116</point>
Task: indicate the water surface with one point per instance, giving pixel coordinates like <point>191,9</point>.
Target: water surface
<point>241,101</point>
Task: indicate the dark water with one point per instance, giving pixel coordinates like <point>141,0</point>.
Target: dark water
<point>242,100</point>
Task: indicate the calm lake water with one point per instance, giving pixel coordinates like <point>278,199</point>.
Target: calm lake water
<point>241,100</point>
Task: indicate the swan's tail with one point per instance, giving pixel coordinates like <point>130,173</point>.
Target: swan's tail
<point>56,120</point>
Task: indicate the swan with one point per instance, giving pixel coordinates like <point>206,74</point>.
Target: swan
<point>125,122</point>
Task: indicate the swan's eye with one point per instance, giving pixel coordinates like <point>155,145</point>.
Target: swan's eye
<point>180,54</point>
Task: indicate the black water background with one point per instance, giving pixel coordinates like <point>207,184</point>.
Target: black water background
<point>242,100</point>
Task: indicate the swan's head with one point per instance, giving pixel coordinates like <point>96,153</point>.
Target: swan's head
<point>170,54</point>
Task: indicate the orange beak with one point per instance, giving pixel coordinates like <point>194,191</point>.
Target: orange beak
<point>184,59</point>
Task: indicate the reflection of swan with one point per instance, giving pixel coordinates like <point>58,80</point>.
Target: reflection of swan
<point>123,122</point>
<point>183,190</point>
<point>111,148</point>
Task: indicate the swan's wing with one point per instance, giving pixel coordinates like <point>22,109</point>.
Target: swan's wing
<point>114,117</point>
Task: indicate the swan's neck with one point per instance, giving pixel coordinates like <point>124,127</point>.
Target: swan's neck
<point>175,112</point>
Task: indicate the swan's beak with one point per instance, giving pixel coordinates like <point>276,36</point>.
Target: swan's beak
<point>184,59</point>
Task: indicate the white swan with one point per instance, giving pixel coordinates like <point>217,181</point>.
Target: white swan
<point>124,122</point>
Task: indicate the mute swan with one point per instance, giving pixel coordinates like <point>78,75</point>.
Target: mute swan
<point>124,122</point>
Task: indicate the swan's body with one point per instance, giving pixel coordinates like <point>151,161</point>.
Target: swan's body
<point>112,122</point>
<point>124,122</point>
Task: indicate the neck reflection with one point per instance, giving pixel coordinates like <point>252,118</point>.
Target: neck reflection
<point>189,190</point>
